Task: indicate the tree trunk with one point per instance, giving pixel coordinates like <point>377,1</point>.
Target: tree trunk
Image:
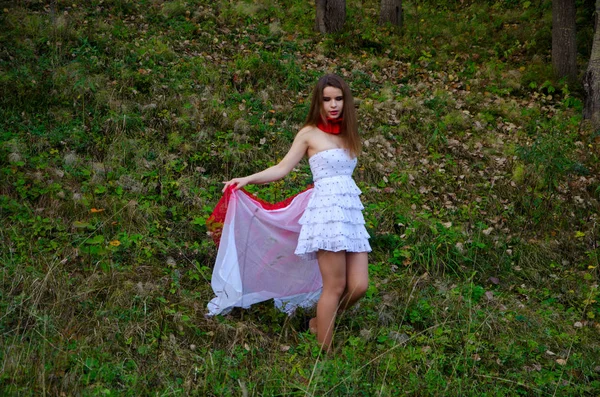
<point>331,15</point>
<point>564,46</point>
<point>391,11</point>
<point>591,80</point>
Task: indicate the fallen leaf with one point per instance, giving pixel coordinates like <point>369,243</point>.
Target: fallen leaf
<point>80,225</point>
<point>284,348</point>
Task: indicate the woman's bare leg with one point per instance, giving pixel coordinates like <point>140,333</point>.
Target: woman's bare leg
<point>333,272</point>
<point>312,325</point>
<point>357,279</point>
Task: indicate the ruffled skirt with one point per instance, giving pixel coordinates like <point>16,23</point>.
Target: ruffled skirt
<point>333,219</point>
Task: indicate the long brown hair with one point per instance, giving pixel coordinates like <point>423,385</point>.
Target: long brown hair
<point>349,126</point>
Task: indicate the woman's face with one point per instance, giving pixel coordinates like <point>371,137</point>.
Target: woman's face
<point>333,102</point>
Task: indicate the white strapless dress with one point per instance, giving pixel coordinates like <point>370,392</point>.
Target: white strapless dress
<point>333,219</point>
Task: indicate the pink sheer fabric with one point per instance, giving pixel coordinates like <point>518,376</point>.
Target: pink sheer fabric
<point>256,260</point>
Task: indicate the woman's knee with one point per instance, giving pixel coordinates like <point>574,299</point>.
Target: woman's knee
<point>336,288</point>
<point>357,275</point>
<point>358,288</point>
<point>333,272</point>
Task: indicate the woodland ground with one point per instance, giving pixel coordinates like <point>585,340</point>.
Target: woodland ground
<point>119,119</point>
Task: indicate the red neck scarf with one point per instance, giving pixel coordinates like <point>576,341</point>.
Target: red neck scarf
<point>333,126</point>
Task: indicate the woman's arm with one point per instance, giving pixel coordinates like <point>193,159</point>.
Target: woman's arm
<point>276,172</point>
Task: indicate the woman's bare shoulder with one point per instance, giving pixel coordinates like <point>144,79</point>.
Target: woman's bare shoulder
<point>307,134</point>
<point>307,130</point>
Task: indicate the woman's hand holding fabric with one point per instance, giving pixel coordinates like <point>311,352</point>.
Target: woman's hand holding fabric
<point>238,183</point>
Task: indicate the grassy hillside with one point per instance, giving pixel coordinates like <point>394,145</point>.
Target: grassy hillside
<point>119,119</point>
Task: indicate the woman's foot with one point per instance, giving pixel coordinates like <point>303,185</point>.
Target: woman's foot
<point>312,325</point>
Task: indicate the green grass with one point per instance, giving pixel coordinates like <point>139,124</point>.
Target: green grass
<point>120,119</point>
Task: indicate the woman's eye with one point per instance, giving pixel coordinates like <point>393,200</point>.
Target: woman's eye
<point>339,99</point>
<point>326,99</point>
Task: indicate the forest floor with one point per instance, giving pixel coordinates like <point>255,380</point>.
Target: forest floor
<point>119,120</point>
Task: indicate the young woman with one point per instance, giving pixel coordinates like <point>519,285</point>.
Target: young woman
<point>332,225</point>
